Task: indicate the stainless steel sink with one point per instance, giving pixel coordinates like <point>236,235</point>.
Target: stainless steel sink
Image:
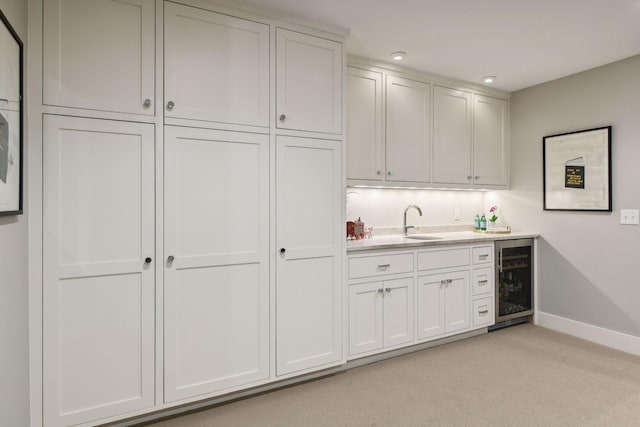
<point>422,237</point>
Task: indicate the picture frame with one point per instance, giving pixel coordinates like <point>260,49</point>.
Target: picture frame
<point>577,171</point>
<point>11,119</point>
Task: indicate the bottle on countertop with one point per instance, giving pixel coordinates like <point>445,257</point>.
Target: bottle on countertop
<point>358,229</point>
<point>477,222</point>
<point>483,223</point>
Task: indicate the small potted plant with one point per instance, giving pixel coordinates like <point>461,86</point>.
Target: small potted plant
<point>493,218</point>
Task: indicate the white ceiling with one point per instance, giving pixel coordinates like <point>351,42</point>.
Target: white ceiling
<point>522,42</point>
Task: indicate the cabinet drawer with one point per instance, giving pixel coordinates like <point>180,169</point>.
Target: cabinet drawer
<point>482,254</point>
<point>380,265</point>
<point>483,312</point>
<point>482,280</point>
<point>444,258</point>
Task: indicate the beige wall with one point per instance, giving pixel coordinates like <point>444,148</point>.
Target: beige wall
<point>14,332</point>
<point>590,264</point>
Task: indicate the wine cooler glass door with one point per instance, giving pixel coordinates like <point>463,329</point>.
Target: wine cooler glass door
<point>514,279</point>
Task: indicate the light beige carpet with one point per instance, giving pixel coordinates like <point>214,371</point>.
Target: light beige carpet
<point>519,376</point>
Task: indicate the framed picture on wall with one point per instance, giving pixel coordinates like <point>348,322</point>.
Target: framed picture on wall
<point>10,119</point>
<point>577,170</point>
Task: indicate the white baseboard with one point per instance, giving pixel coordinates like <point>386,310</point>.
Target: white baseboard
<point>596,334</point>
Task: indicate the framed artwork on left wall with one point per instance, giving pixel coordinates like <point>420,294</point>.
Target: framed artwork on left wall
<point>11,119</point>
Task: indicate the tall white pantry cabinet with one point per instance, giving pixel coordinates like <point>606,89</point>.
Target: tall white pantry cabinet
<point>192,204</point>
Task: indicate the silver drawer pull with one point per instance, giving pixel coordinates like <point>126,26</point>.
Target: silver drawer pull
<point>387,290</point>
<point>380,290</point>
<point>483,282</point>
<point>449,280</point>
<point>483,312</point>
<point>383,266</point>
<point>484,256</point>
<point>443,281</point>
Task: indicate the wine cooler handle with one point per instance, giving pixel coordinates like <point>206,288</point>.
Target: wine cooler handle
<point>500,260</point>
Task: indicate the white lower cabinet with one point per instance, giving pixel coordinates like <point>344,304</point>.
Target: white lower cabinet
<point>309,252</point>
<point>216,282</point>
<point>380,315</point>
<point>443,303</point>
<point>417,296</point>
<point>98,269</point>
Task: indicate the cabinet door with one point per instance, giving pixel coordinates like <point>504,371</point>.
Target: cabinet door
<point>398,311</point>
<point>490,143</point>
<point>308,83</point>
<point>216,67</point>
<point>309,236</point>
<point>365,127</point>
<point>217,283</point>
<point>431,305</point>
<point>98,289</point>
<point>451,136</point>
<point>365,317</point>
<point>99,54</point>
<point>456,307</point>
<point>408,129</point>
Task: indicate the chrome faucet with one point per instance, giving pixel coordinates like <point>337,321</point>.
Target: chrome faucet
<point>406,227</point>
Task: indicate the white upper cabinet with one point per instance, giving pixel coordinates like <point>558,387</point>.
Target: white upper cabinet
<point>490,153</point>
<point>99,55</point>
<point>216,67</point>
<point>451,136</point>
<point>365,127</point>
<point>421,133</point>
<point>308,83</point>
<point>408,129</point>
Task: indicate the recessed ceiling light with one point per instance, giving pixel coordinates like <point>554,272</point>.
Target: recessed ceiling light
<point>398,56</point>
<point>489,79</point>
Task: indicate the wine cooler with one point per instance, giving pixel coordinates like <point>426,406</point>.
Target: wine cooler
<point>514,281</point>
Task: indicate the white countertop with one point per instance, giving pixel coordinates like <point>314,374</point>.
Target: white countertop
<point>397,241</point>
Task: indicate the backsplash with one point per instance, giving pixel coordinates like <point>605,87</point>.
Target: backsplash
<point>383,208</point>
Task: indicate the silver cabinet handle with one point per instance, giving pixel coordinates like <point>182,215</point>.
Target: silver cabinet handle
<point>449,281</point>
<point>483,282</point>
<point>483,256</point>
<point>170,105</point>
<point>387,290</point>
<point>476,177</point>
<point>378,172</point>
<point>483,312</point>
<point>443,282</point>
<point>147,103</point>
<point>148,260</point>
<point>380,290</point>
<point>170,258</point>
<point>383,266</point>
<point>389,173</point>
<point>283,117</point>
<point>469,177</point>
